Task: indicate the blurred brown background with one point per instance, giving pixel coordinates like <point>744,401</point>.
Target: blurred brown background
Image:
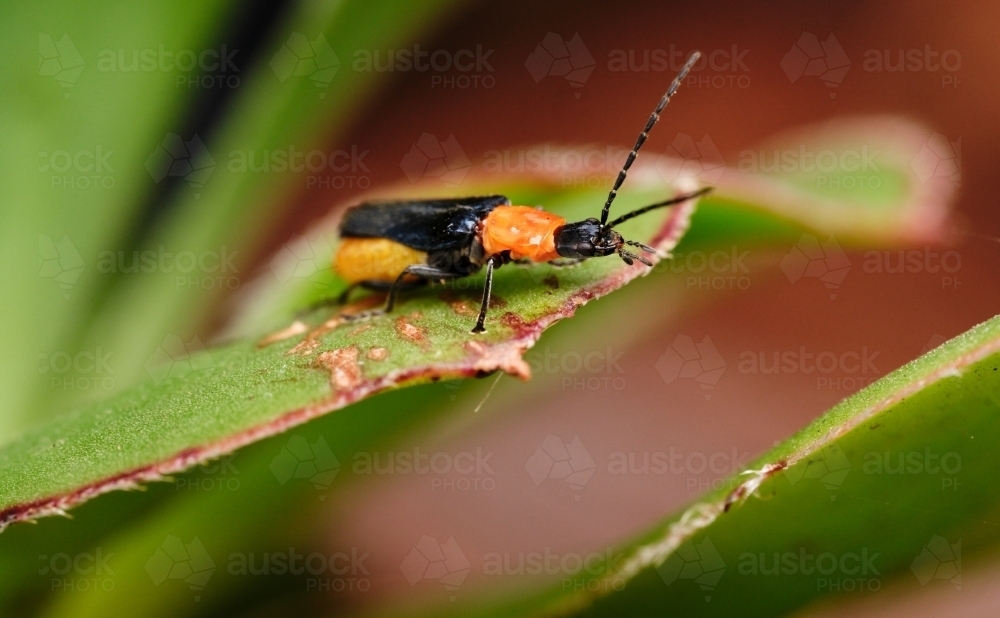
<point>894,316</point>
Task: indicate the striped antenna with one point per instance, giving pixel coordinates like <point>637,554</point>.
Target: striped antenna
<point>674,85</point>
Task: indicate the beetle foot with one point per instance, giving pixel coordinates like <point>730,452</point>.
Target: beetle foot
<point>364,315</point>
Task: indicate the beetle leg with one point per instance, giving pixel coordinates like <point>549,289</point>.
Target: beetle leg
<point>346,294</point>
<point>418,270</point>
<point>487,290</point>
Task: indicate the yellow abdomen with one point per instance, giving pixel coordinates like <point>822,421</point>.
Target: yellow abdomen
<point>378,259</point>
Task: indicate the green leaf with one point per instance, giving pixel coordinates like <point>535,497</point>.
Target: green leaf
<point>127,316</point>
<point>231,212</point>
<point>57,105</point>
<point>240,518</point>
<point>894,481</point>
<point>200,404</point>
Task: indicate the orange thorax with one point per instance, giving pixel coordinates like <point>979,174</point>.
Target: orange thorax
<point>524,231</point>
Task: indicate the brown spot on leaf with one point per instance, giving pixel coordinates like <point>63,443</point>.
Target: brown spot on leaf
<point>734,496</point>
<point>552,281</point>
<point>311,342</point>
<point>475,347</point>
<point>345,373</point>
<point>308,345</point>
<point>377,354</point>
<point>467,306</point>
<point>748,487</point>
<point>411,332</point>
<point>357,331</point>
<point>486,358</point>
<point>459,305</point>
<point>512,320</point>
<point>295,328</point>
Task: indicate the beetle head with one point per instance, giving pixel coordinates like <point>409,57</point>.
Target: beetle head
<point>588,238</point>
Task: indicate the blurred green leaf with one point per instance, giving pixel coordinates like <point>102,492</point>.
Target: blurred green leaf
<point>76,136</point>
<point>68,301</point>
<point>279,108</point>
<point>244,519</point>
<point>893,482</point>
